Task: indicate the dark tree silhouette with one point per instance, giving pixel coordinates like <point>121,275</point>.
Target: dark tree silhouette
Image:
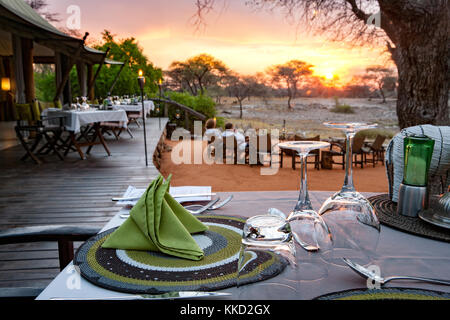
<point>416,33</point>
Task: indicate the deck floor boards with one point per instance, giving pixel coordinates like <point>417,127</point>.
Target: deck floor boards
<point>71,192</point>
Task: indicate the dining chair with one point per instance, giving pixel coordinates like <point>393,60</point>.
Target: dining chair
<point>294,155</point>
<point>134,117</point>
<point>32,129</point>
<point>265,146</point>
<point>339,149</point>
<point>114,127</point>
<point>64,235</point>
<point>376,150</point>
<point>229,149</point>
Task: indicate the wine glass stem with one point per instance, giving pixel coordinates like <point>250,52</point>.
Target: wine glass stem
<point>303,202</point>
<point>348,182</point>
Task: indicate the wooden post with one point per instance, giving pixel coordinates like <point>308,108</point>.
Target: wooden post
<point>82,78</point>
<point>19,84</point>
<point>90,78</point>
<point>65,65</point>
<point>28,71</point>
<point>186,120</point>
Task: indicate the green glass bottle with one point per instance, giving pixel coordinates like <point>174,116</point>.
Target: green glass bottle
<point>418,152</point>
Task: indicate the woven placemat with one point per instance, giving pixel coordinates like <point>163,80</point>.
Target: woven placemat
<point>148,272</point>
<point>386,212</point>
<point>386,294</point>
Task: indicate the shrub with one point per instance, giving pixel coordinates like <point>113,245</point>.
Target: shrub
<point>201,103</point>
<point>341,108</point>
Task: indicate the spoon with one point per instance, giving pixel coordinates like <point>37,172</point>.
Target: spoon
<point>366,274</point>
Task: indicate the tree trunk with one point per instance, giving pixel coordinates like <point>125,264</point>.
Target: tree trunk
<point>422,55</point>
<point>240,108</point>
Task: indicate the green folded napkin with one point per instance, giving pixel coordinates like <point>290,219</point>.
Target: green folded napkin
<point>159,223</point>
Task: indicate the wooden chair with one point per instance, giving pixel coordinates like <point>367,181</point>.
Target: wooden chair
<point>264,147</point>
<point>294,155</point>
<point>358,144</point>
<point>31,131</point>
<point>115,128</point>
<point>65,235</point>
<point>338,149</point>
<point>134,117</point>
<point>376,149</point>
<point>229,146</point>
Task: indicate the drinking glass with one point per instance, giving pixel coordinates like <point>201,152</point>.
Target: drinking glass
<point>349,215</point>
<point>265,238</point>
<point>309,229</point>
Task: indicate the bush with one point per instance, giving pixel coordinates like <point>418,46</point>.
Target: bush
<point>341,108</point>
<point>201,103</point>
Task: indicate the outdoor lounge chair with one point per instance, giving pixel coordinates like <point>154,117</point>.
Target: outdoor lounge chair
<point>32,129</point>
<point>65,235</point>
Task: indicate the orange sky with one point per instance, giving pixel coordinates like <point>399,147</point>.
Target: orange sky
<point>247,40</point>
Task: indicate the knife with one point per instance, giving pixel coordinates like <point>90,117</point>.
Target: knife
<point>175,196</point>
<point>164,296</point>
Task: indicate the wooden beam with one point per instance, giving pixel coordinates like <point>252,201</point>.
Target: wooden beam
<point>181,106</point>
<point>91,84</point>
<point>44,60</point>
<point>116,78</point>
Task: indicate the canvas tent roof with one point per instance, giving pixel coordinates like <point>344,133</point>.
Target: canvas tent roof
<point>17,17</point>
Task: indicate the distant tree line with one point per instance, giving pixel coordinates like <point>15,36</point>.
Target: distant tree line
<point>295,78</point>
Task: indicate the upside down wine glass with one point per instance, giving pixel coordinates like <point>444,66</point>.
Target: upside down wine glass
<point>349,215</point>
<point>309,229</point>
<point>266,240</point>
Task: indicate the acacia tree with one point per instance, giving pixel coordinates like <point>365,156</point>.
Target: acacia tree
<point>197,73</point>
<point>240,87</point>
<point>382,77</point>
<point>416,33</point>
<point>289,75</point>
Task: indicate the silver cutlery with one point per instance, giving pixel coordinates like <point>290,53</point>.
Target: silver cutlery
<point>366,274</point>
<point>194,212</point>
<point>215,207</point>
<point>174,196</point>
<point>164,296</point>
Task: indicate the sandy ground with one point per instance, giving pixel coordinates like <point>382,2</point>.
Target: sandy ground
<point>308,114</point>
<point>228,177</point>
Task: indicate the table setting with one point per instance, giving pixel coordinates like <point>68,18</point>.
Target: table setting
<point>183,242</point>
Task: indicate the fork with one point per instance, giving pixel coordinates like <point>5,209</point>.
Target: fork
<point>215,207</point>
<point>194,212</point>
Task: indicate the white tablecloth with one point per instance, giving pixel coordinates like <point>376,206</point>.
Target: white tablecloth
<point>74,120</point>
<point>397,253</point>
<point>148,106</point>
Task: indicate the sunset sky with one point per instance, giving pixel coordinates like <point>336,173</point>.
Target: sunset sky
<point>247,40</point>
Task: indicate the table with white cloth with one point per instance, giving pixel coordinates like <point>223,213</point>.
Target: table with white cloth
<point>398,253</point>
<point>135,108</point>
<point>80,123</point>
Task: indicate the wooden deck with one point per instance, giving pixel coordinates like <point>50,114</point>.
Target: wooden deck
<point>71,192</point>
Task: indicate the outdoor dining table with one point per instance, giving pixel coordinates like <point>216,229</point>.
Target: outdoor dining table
<point>398,253</point>
<point>135,108</point>
<point>76,120</point>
